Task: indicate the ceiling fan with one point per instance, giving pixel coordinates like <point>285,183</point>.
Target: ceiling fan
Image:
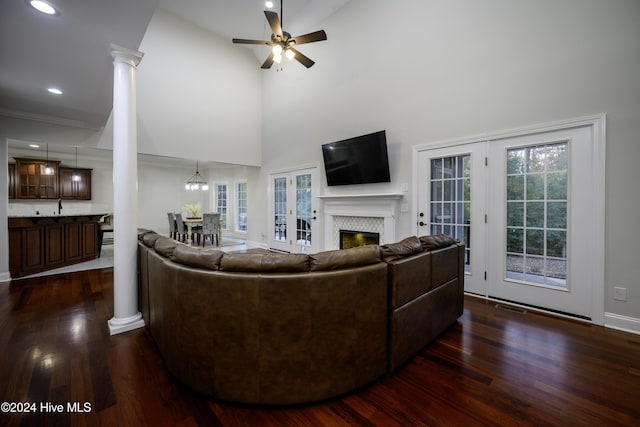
<point>282,42</point>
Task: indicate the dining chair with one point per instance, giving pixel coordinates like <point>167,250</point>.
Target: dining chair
<point>172,225</point>
<point>181,228</point>
<point>210,228</point>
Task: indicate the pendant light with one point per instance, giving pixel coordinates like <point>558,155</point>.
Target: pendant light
<point>48,170</point>
<point>196,182</point>
<point>76,176</point>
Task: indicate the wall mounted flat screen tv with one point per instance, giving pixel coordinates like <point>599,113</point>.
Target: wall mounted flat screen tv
<point>359,160</point>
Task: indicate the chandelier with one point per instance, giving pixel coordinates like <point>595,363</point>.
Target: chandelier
<point>196,182</point>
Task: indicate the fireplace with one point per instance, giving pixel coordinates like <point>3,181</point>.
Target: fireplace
<point>351,239</point>
<point>370,213</point>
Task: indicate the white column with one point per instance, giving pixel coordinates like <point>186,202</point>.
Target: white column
<point>125,192</point>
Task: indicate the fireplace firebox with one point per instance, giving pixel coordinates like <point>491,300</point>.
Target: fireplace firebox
<point>350,238</point>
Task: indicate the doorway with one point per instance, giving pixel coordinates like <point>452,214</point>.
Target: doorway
<point>529,206</point>
<point>293,209</point>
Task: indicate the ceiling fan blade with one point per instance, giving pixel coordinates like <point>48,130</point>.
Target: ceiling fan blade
<point>245,41</point>
<point>304,60</point>
<point>269,62</point>
<point>274,22</point>
<point>311,37</point>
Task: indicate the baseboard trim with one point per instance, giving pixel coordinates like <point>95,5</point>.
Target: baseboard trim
<point>251,243</point>
<point>622,323</point>
<point>5,277</point>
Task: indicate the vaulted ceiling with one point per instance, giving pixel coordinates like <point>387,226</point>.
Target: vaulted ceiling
<point>70,50</point>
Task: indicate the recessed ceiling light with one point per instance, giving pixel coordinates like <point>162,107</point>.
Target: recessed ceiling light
<point>269,4</point>
<point>43,6</point>
<point>34,146</point>
<point>55,90</point>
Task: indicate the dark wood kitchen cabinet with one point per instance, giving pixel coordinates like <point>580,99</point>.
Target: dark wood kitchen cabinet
<point>11,179</point>
<point>32,183</point>
<point>79,189</point>
<point>41,243</point>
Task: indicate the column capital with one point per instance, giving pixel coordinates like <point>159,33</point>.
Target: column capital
<point>119,53</point>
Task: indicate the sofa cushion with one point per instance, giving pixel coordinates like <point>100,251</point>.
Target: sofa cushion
<point>436,241</point>
<point>149,239</point>
<point>265,262</point>
<point>142,232</point>
<point>194,257</point>
<point>344,258</point>
<point>165,246</point>
<point>409,246</point>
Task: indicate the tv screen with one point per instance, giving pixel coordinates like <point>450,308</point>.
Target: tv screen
<point>359,160</point>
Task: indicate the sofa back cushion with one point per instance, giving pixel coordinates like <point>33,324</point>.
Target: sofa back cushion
<point>149,239</point>
<point>265,262</point>
<point>344,258</point>
<point>406,247</point>
<point>199,258</point>
<point>436,241</point>
<point>165,246</point>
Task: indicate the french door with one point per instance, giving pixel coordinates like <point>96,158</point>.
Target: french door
<point>453,202</point>
<point>293,211</point>
<point>527,208</point>
<point>542,228</point>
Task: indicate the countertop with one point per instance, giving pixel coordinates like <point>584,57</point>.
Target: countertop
<point>62,215</point>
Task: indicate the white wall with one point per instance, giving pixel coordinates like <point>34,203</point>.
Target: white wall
<point>428,71</point>
<point>198,95</point>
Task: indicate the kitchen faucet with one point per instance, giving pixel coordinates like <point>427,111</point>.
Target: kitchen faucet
<point>59,206</point>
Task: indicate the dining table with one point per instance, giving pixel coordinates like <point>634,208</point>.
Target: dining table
<point>191,222</point>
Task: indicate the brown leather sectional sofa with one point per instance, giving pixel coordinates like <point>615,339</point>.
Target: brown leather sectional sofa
<point>280,329</point>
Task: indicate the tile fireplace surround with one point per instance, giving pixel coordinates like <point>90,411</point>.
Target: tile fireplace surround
<point>376,213</point>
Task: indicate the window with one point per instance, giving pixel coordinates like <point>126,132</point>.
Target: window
<point>451,199</point>
<point>537,214</point>
<point>221,203</point>
<point>241,207</point>
<point>280,209</point>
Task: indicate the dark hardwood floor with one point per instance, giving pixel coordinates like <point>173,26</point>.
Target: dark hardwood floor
<point>494,367</point>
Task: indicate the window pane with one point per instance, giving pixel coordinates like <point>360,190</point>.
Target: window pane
<point>535,214</point>
<point>535,242</point>
<point>515,214</point>
<point>557,215</point>
<point>515,187</point>
<point>535,187</point>
<point>515,240</point>
<point>557,186</point>
<point>556,244</point>
<point>536,159</point>
<point>515,162</point>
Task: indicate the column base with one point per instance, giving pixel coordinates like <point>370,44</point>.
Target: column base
<point>120,325</point>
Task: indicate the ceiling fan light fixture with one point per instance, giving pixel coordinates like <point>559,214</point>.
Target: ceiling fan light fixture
<point>290,54</point>
<point>281,41</point>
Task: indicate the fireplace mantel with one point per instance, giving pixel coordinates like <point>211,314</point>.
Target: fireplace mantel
<point>361,196</point>
<point>384,206</point>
